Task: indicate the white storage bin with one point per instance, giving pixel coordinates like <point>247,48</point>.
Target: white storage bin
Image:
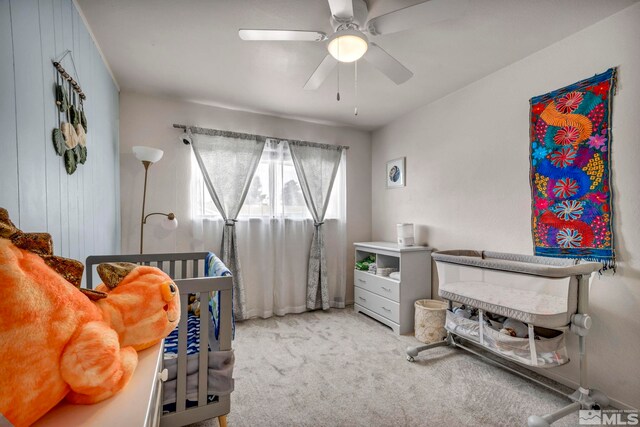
<point>549,351</point>
<point>464,327</point>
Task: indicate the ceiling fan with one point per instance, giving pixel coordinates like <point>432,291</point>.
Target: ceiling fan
<point>349,42</point>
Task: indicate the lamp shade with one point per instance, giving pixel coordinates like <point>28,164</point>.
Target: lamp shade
<point>347,45</point>
<point>171,223</point>
<point>147,154</point>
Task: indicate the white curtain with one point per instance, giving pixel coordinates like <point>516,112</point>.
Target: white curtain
<point>316,167</point>
<point>228,162</point>
<point>274,235</point>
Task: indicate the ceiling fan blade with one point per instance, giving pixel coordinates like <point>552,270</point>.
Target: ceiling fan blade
<point>342,9</point>
<point>387,64</point>
<point>282,35</point>
<point>321,73</point>
<point>417,16</point>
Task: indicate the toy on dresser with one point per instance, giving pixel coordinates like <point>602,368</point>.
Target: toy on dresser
<point>58,341</point>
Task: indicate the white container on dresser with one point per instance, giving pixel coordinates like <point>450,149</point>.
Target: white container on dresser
<point>387,300</point>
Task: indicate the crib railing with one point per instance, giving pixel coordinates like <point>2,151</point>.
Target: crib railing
<point>185,269</point>
<point>177,265</point>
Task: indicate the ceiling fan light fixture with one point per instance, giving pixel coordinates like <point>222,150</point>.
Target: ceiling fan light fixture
<point>347,45</point>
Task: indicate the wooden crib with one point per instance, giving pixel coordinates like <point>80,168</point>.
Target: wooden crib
<point>187,270</point>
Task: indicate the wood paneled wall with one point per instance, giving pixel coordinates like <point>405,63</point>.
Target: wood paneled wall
<point>81,211</point>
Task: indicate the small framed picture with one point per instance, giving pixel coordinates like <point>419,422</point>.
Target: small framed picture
<point>396,173</point>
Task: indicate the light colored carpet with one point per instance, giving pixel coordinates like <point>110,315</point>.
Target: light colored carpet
<point>338,368</point>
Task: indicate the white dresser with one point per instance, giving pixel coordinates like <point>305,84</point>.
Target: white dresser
<point>391,301</point>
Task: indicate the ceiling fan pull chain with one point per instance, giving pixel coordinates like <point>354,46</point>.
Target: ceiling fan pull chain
<point>355,111</point>
<point>338,72</point>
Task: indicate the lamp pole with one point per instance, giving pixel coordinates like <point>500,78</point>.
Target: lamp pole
<point>148,156</point>
<point>144,199</point>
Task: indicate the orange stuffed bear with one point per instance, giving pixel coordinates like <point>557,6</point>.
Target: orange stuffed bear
<point>58,341</point>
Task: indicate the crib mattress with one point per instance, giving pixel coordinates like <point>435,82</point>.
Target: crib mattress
<point>548,311</point>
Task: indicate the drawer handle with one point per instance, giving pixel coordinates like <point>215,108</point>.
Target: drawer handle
<point>363,299</point>
<point>362,280</point>
<point>164,375</point>
<point>386,289</point>
<point>385,308</point>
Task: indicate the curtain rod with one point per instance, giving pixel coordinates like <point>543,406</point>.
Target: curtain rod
<point>214,132</point>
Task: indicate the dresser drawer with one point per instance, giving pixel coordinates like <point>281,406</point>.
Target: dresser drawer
<point>377,304</point>
<point>378,285</point>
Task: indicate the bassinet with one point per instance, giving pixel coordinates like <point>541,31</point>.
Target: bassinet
<point>550,295</point>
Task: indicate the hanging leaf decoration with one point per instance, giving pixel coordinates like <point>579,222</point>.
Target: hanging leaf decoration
<point>62,98</point>
<point>74,115</point>
<point>58,141</point>
<point>81,130</point>
<point>83,154</point>
<point>77,152</point>
<point>70,161</point>
<point>82,137</point>
<point>70,135</point>
<point>83,119</point>
<point>70,138</point>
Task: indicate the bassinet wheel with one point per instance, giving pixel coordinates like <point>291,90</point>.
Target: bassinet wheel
<point>411,359</point>
<point>599,397</point>
<point>412,352</point>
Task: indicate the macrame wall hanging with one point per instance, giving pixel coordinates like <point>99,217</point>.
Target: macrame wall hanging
<point>70,137</point>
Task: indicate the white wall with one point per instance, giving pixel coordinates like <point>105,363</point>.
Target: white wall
<point>80,211</point>
<point>148,121</point>
<point>468,180</point>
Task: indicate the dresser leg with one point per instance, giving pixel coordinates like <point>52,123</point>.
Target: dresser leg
<point>222,420</point>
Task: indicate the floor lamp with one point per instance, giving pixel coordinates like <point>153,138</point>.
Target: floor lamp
<point>149,156</point>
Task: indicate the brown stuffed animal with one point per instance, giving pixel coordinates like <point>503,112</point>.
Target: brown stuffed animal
<point>194,305</point>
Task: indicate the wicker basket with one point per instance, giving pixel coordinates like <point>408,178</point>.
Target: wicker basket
<point>430,318</point>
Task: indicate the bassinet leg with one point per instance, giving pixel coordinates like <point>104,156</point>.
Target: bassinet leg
<point>545,421</point>
<point>222,420</point>
<point>412,352</point>
<point>583,398</point>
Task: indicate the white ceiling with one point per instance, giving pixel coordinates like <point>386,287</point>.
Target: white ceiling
<point>189,49</point>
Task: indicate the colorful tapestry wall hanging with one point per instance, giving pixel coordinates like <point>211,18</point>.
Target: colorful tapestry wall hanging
<point>570,171</point>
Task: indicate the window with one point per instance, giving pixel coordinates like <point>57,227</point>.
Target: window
<point>275,190</point>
